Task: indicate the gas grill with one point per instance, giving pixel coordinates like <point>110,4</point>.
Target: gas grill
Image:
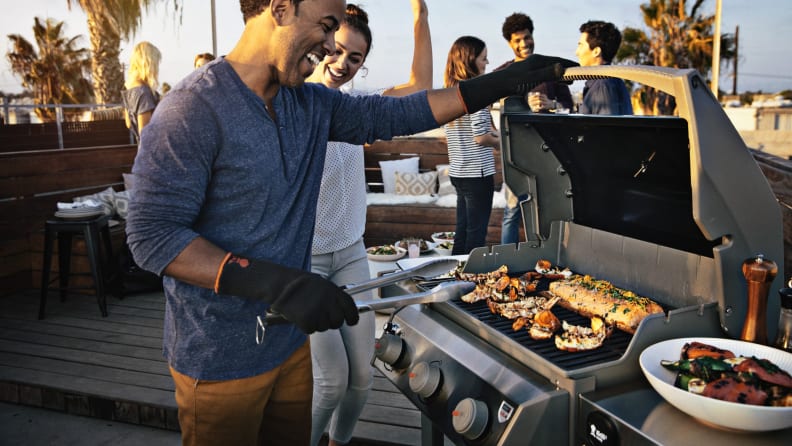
<point>668,207</point>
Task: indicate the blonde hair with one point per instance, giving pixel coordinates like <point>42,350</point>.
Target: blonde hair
<point>144,66</point>
<point>461,63</point>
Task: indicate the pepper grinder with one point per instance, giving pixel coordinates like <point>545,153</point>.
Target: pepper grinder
<point>759,272</point>
<point>784,336</point>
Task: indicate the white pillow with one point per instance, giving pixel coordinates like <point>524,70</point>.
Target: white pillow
<point>444,181</point>
<point>416,183</point>
<point>389,169</point>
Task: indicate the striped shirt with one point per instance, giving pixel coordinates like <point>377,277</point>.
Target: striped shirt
<point>469,159</point>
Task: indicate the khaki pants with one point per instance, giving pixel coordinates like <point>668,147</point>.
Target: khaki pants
<point>273,408</point>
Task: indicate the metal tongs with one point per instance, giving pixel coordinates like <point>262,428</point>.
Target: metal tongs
<point>428,270</point>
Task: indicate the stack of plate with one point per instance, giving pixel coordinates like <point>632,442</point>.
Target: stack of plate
<point>80,212</point>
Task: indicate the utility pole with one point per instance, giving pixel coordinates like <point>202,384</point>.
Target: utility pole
<point>716,49</point>
<point>214,30</point>
<point>736,58</point>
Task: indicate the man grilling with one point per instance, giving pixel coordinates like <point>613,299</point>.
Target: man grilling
<point>227,177</point>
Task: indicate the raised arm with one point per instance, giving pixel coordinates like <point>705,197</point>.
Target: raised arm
<point>421,72</point>
<point>474,94</point>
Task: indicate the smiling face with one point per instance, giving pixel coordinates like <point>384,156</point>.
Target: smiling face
<point>305,36</point>
<point>522,43</point>
<point>342,65</point>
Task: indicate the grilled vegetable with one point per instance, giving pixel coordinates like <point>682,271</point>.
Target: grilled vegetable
<point>693,350</point>
<point>704,367</point>
<point>717,373</point>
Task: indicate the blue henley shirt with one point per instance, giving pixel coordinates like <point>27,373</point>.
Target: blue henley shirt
<point>213,163</point>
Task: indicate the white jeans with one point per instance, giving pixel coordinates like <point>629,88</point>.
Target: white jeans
<point>342,358</point>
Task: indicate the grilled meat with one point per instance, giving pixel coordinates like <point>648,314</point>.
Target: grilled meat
<point>590,297</point>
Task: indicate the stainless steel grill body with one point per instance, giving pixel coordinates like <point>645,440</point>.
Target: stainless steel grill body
<point>667,207</point>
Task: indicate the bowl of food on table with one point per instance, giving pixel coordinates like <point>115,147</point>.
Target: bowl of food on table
<point>440,237</point>
<point>725,383</point>
<point>444,248</point>
<point>424,246</point>
<point>385,253</point>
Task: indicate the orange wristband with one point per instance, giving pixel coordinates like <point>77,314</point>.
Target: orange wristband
<point>220,272</point>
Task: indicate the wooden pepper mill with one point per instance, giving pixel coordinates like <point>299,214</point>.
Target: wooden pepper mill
<point>759,272</point>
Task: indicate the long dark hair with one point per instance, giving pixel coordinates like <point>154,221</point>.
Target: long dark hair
<point>461,62</point>
<point>357,19</point>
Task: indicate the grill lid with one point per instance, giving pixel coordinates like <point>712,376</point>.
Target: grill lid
<point>687,183</point>
<point>625,175</point>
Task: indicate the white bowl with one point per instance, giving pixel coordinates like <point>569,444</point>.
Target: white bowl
<point>400,252</point>
<point>440,237</point>
<point>429,245</point>
<point>725,414</point>
<point>444,251</point>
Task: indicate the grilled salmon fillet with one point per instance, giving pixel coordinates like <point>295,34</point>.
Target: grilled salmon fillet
<point>591,297</point>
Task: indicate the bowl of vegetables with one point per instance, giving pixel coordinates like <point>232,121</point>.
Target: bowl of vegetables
<point>733,384</point>
<point>440,237</point>
<point>385,253</point>
<point>444,248</point>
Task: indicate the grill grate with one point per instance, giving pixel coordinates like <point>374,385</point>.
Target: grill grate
<point>612,349</point>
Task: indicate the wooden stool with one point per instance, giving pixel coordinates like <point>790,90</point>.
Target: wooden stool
<point>93,229</point>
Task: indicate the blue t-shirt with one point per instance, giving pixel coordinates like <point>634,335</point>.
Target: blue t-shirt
<point>138,100</point>
<point>213,163</point>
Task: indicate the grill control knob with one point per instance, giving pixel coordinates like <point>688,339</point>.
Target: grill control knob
<point>390,348</point>
<point>425,379</point>
<point>470,418</point>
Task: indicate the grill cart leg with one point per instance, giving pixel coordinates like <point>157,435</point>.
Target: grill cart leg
<point>430,434</point>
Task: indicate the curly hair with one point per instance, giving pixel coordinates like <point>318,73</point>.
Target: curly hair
<point>206,56</point>
<point>461,64</point>
<point>603,35</point>
<point>252,8</point>
<point>516,23</point>
<point>357,19</point>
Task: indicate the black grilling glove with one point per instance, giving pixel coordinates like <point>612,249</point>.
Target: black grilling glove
<point>516,79</point>
<point>306,299</point>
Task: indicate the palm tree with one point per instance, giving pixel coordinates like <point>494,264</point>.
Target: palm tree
<point>676,39</point>
<point>110,21</point>
<point>58,73</point>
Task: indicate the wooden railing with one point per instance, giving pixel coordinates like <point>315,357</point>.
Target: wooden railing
<point>31,184</point>
<point>69,134</point>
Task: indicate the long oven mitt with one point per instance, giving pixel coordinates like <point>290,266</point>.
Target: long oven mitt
<point>306,299</point>
<point>516,79</point>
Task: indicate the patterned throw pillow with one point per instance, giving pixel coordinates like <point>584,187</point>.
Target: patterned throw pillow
<point>121,203</point>
<point>445,187</point>
<point>416,183</point>
<point>389,169</point>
